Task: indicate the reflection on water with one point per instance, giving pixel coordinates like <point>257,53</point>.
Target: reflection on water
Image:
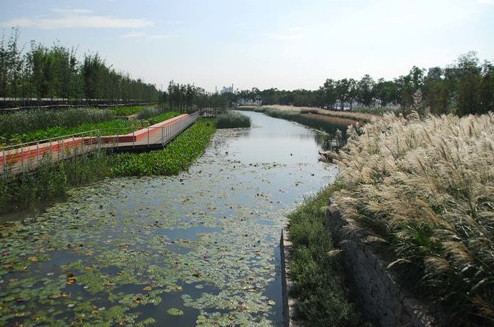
<point>204,243</point>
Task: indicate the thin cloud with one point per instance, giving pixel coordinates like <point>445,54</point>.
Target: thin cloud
<point>140,35</point>
<point>77,18</point>
<point>76,11</point>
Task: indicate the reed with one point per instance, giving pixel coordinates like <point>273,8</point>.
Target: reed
<point>425,186</point>
<point>232,120</point>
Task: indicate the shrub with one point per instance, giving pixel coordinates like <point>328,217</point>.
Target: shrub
<point>232,120</point>
<point>426,186</point>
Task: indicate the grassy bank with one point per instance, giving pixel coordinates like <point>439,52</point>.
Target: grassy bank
<point>322,297</point>
<point>52,181</point>
<point>425,188</point>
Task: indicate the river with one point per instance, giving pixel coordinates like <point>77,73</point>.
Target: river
<point>200,248</point>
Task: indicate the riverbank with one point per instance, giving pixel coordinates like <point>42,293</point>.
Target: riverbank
<point>346,116</point>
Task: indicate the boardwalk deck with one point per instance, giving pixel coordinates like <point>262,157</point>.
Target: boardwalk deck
<point>25,157</point>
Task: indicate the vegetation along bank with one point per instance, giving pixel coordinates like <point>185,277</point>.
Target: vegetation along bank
<point>421,189</point>
<point>52,180</point>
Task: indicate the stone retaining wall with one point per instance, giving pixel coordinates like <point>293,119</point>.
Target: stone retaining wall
<point>381,299</point>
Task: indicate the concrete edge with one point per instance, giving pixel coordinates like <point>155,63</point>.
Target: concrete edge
<point>289,303</point>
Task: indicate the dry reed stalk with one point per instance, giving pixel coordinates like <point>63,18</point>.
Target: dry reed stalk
<point>427,185</point>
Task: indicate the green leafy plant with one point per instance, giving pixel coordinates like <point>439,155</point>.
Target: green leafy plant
<point>322,296</point>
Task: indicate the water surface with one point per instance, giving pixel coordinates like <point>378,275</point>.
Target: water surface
<point>200,248</point>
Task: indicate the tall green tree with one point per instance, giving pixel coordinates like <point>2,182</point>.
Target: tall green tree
<point>365,90</point>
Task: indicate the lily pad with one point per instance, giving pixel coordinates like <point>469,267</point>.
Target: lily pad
<point>175,312</point>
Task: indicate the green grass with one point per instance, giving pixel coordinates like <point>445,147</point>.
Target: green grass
<point>232,120</point>
<point>322,297</point>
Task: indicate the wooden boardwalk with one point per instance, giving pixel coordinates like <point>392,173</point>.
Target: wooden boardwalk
<point>25,157</point>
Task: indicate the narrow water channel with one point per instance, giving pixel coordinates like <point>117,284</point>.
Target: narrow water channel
<point>201,248</point>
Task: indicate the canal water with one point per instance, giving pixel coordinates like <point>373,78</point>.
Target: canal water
<point>197,249</point>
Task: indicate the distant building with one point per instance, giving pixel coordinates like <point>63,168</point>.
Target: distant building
<point>226,89</point>
<point>257,101</point>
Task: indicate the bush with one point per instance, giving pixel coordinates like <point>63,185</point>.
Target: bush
<point>232,120</point>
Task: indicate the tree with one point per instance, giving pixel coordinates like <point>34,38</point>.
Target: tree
<point>365,90</point>
<point>329,93</point>
<point>386,92</point>
<point>469,72</point>
<point>487,88</point>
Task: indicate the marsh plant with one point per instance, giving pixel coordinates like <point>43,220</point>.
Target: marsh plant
<point>231,119</point>
<point>425,187</point>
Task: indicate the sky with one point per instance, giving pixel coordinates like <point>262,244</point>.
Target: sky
<point>284,44</point>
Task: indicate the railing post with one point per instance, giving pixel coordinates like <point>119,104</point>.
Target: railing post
<point>37,154</point>
<point>22,159</point>
<point>4,165</point>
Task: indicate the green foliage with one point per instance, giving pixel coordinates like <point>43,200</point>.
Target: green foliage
<point>176,157</point>
<point>126,110</point>
<point>41,125</point>
<point>56,72</point>
<point>162,117</point>
<point>232,120</point>
<point>319,283</point>
<point>16,124</point>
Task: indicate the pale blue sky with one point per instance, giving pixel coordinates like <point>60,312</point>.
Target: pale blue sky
<point>259,43</point>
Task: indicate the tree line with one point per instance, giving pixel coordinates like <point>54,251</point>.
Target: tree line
<point>57,72</point>
<point>465,87</point>
<point>188,97</point>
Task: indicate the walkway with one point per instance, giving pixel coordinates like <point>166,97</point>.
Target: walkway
<point>28,156</point>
